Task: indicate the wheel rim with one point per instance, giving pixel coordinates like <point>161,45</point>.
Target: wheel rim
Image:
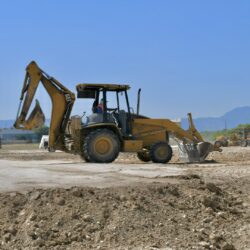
<point>161,152</point>
<point>103,146</point>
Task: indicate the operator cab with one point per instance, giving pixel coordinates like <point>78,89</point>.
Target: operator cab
<point>102,112</point>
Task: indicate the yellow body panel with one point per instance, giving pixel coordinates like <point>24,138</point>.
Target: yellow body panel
<point>149,134</point>
<point>132,145</point>
<point>157,130</point>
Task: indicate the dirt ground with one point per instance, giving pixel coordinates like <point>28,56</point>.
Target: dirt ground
<point>124,205</point>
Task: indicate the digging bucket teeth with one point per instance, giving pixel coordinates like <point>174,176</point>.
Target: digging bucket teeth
<point>204,148</point>
<point>35,120</point>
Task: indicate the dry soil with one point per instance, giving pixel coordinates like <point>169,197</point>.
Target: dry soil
<point>200,206</point>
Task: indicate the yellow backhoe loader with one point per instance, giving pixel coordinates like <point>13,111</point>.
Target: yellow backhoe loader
<point>109,130</point>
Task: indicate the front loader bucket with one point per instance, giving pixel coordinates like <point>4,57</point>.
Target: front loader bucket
<point>36,118</point>
<point>204,148</point>
<point>188,152</point>
<point>194,152</point>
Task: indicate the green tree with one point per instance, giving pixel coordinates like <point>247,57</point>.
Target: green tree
<point>44,130</point>
<point>212,135</point>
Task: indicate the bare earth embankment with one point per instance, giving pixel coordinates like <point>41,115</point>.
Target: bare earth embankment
<point>55,201</point>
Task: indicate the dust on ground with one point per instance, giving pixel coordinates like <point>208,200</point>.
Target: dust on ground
<point>26,152</point>
<point>206,208</point>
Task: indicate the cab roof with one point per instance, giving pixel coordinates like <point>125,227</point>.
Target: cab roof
<point>101,86</point>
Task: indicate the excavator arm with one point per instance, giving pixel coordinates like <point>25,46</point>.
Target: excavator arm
<point>62,103</point>
<point>193,146</point>
<point>190,135</point>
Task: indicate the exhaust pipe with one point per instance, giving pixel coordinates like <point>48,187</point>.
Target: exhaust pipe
<point>138,101</point>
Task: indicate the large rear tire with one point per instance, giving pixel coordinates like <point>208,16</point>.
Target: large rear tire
<point>85,157</point>
<point>101,146</point>
<point>225,143</point>
<point>161,152</point>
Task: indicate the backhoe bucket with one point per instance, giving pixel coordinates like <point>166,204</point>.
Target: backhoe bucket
<point>36,118</point>
<point>194,152</point>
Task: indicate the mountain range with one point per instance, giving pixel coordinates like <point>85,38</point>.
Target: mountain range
<point>229,120</point>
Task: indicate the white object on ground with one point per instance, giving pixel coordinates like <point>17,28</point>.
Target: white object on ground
<point>44,142</point>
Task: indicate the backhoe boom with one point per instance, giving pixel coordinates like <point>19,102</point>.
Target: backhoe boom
<point>62,102</point>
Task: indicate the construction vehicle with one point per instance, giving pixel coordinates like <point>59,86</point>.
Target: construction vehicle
<point>104,135</point>
<point>243,136</point>
<point>222,141</point>
<point>240,137</point>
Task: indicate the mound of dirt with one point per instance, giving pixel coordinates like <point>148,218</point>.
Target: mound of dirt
<point>189,215</point>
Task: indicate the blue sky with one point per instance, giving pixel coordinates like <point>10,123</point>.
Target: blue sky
<point>185,55</point>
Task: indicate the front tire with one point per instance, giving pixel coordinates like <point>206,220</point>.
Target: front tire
<point>161,152</point>
<point>218,144</point>
<point>85,157</point>
<point>101,146</point>
<point>243,143</point>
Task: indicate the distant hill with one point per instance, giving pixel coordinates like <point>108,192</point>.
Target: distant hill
<point>229,120</point>
<point>236,116</point>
